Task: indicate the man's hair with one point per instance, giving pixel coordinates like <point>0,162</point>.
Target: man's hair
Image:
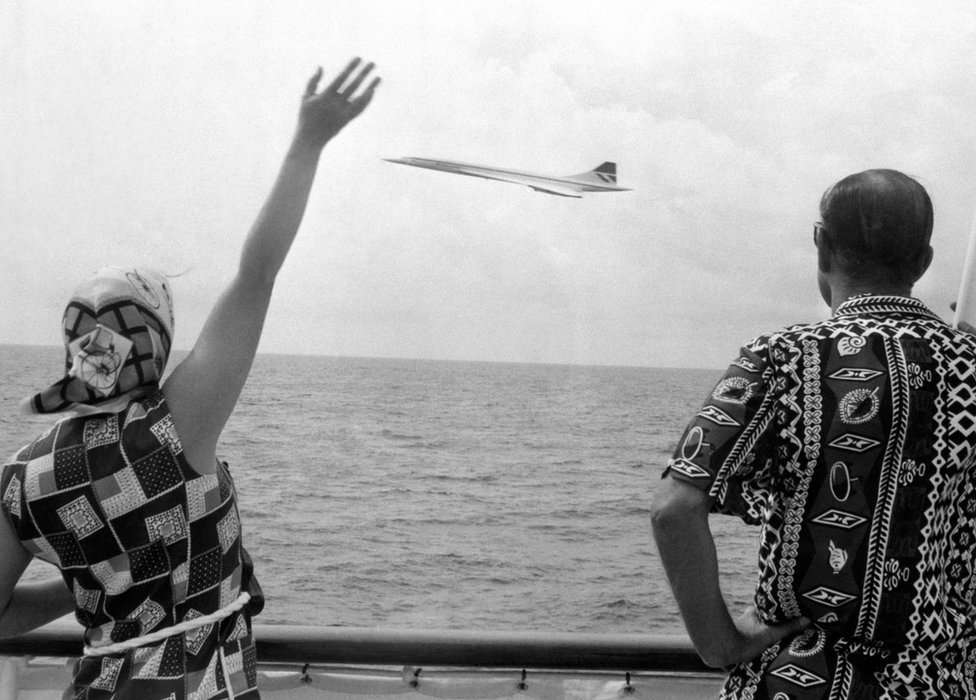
<point>877,224</point>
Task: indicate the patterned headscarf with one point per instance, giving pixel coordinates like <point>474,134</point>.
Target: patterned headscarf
<point>118,328</point>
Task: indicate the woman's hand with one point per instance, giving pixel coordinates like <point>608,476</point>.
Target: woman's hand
<point>203,390</point>
<point>324,114</point>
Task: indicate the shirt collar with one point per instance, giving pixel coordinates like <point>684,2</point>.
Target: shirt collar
<point>869,304</point>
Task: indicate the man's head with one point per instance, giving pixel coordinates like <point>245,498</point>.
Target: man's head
<point>876,227</point>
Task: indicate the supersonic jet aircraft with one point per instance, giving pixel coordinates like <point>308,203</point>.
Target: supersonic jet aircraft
<point>603,178</point>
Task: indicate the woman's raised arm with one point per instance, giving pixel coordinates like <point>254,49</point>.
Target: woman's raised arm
<point>203,390</point>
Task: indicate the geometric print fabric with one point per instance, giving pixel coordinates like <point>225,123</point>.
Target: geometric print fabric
<point>144,542</point>
<point>852,443</point>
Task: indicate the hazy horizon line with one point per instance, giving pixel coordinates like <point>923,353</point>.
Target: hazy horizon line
<point>183,352</point>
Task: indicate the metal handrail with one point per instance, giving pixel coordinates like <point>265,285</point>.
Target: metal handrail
<point>432,648</point>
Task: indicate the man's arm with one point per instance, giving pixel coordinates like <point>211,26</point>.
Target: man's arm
<point>679,520</point>
<point>203,390</point>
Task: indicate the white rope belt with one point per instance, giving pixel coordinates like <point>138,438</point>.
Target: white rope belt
<point>159,635</point>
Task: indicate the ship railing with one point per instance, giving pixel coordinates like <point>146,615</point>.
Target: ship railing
<point>371,662</point>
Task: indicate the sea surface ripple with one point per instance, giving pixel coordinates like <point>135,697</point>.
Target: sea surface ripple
<point>433,494</point>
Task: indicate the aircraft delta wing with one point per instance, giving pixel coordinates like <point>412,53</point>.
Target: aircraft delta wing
<point>602,178</point>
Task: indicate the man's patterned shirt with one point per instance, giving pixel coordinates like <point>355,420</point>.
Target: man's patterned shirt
<point>852,442</point>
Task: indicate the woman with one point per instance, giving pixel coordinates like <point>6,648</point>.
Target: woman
<point>125,494</point>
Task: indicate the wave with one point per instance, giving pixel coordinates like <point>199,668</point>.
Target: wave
<point>475,478</point>
<point>391,435</point>
<point>408,441</point>
<point>458,494</point>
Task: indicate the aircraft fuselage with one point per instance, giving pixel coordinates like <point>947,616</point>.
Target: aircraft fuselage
<point>601,179</point>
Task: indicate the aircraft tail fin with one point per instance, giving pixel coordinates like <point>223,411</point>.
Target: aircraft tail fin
<point>603,174</point>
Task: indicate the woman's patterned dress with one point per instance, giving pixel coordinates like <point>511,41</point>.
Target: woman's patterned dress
<point>145,542</point>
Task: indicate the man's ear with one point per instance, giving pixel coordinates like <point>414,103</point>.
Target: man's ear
<point>823,254</point>
<point>923,263</point>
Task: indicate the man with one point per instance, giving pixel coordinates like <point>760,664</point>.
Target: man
<point>852,442</point>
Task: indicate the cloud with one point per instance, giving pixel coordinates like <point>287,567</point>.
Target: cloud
<point>166,126</point>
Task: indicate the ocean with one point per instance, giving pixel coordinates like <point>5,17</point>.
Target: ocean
<point>425,494</point>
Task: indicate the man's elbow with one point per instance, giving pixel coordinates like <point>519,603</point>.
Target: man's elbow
<point>714,657</point>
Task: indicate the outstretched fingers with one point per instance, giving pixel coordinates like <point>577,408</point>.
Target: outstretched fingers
<point>359,103</point>
<point>351,89</point>
<point>313,82</point>
<point>324,113</point>
<point>344,75</point>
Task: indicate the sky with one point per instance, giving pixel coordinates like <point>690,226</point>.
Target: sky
<point>147,133</point>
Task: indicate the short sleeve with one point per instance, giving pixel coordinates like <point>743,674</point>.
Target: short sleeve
<point>727,448</point>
